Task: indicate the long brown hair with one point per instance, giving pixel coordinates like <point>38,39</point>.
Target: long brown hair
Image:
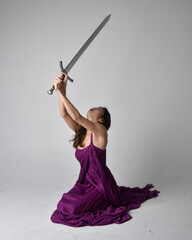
<point>81,132</point>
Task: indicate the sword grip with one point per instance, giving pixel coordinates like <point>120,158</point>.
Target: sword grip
<point>50,91</point>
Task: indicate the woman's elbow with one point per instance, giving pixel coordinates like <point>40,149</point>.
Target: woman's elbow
<point>76,117</point>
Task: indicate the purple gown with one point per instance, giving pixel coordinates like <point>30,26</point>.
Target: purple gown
<point>96,199</point>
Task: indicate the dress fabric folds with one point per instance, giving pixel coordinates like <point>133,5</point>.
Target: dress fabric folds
<point>96,199</point>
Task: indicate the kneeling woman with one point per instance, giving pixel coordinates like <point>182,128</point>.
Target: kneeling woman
<point>95,199</point>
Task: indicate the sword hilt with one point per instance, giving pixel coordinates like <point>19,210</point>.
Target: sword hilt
<point>50,92</point>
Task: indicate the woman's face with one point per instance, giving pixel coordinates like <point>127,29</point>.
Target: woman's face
<point>95,113</point>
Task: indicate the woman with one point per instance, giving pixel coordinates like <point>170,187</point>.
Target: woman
<point>95,199</point>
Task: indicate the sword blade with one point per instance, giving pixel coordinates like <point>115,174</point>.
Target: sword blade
<point>86,44</point>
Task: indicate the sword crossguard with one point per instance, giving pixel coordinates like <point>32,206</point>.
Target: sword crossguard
<point>63,70</point>
<point>50,92</point>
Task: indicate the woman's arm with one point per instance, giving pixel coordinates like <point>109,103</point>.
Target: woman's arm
<point>63,111</point>
<point>65,106</point>
<point>79,119</point>
<point>62,108</point>
<point>72,111</point>
<point>69,108</point>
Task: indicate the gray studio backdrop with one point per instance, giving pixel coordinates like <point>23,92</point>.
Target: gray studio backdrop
<point>139,66</point>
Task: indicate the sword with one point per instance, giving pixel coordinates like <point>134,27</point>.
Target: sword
<point>80,52</point>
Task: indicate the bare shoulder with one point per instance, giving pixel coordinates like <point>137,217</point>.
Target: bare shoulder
<point>101,130</point>
<point>100,138</point>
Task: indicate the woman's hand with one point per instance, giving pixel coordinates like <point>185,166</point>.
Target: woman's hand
<point>60,82</point>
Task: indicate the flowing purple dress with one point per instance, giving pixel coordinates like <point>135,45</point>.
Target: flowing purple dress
<point>96,199</point>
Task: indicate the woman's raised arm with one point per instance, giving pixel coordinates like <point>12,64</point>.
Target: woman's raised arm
<point>73,112</point>
<point>79,119</point>
<point>63,111</point>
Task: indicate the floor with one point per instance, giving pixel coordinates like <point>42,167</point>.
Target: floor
<point>25,214</point>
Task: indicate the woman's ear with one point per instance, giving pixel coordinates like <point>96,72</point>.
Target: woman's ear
<point>101,120</point>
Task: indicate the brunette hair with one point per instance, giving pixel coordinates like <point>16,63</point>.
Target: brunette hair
<point>81,132</point>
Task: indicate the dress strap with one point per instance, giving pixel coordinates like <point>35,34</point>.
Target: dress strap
<point>91,138</point>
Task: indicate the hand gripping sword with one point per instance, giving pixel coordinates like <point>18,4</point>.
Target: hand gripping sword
<point>80,52</point>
